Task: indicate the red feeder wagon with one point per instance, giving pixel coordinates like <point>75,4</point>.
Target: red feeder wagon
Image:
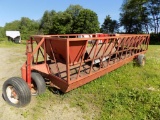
<point>71,60</point>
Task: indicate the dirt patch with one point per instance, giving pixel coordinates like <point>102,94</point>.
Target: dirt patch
<point>11,61</point>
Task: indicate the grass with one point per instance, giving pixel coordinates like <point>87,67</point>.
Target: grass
<point>130,92</point>
<point>5,43</point>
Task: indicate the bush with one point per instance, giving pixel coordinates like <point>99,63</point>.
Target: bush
<point>155,39</point>
<point>3,39</point>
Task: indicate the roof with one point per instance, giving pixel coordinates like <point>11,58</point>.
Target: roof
<point>13,34</point>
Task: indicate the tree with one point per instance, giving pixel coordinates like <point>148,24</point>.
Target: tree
<point>134,16</point>
<point>140,16</point>
<point>109,25</point>
<point>75,19</point>
<point>2,32</point>
<point>153,7</point>
<point>46,22</point>
<point>61,23</point>
<point>73,11</point>
<point>12,25</point>
<point>86,22</point>
<point>28,27</point>
<point>55,22</point>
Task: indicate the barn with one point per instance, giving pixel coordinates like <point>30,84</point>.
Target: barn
<point>14,36</point>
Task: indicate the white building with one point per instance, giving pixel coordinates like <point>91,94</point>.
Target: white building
<point>13,36</point>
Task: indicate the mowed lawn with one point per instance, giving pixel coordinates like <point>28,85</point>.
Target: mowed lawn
<point>130,92</point>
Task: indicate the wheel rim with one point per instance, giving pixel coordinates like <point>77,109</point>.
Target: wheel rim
<point>34,89</point>
<point>143,62</point>
<point>12,95</point>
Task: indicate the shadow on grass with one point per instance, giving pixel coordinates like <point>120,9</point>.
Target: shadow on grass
<point>55,90</point>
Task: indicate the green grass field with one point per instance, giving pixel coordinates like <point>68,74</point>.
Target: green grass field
<point>128,93</point>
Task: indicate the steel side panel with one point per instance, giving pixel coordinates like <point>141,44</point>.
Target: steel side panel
<point>42,68</point>
<point>63,85</point>
<point>101,72</point>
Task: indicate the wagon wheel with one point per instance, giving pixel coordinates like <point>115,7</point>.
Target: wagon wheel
<point>141,60</point>
<point>38,84</point>
<point>16,92</point>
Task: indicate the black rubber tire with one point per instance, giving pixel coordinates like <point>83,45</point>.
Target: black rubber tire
<point>16,92</point>
<point>141,59</point>
<point>38,82</point>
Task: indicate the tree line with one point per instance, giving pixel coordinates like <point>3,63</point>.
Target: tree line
<point>136,16</point>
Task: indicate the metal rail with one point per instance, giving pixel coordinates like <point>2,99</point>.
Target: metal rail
<point>72,60</point>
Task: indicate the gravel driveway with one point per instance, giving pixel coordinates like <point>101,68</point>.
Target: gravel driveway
<point>11,60</point>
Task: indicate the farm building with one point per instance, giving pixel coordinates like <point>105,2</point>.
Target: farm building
<point>13,36</point>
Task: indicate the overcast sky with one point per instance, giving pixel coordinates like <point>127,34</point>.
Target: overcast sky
<point>11,10</point>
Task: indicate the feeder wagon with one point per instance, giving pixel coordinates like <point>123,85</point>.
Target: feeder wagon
<point>71,60</point>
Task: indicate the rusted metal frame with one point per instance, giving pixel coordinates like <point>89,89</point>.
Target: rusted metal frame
<point>146,42</point>
<point>39,49</point>
<point>84,61</point>
<point>95,38</point>
<point>45,57</point>
<point>138,47</point>
<point>118,47</point>
<point>57,81</point>
<point>38,45</point>
<point>136,44</point>
<point>45,54</point>
<point>101,59</point>
<point>83,80</point>
<point>50,36</point>
<point>67,61</point>
<point>99,49</point>
<point>41,52</point>
<point>141,43</point>
<point>37,56</point>
<point>91,49</point>
<point>110,43</point>
<point>81,61</point>
<point>32,49</point>
<point>93,56</point>
<point>132,44</point>
<point>128,45</point>
<point>115,41</point>
<point>29,60</point>
<point>122,48</point>
<point>110,53</point>
<point>55,60</point>
<point>125,46</point>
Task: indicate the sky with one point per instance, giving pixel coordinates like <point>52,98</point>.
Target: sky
<point>11,10</point>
